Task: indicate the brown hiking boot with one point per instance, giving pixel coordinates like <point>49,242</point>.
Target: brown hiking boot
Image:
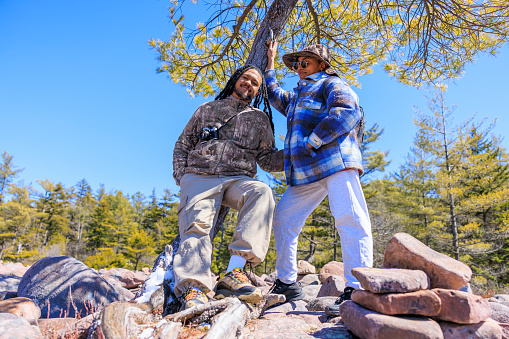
<point>193,297</point>
<point>236,284</point>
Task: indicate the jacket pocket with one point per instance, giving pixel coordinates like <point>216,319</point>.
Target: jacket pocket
<point>310,104</point>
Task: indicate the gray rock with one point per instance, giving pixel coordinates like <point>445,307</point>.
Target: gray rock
<point>502,297</point>
<point>369,324</point>
<point>319,304</point>
<point>14,327</point>
<point>298,305</point>
<point>311,292</point>
<point>499,312</point>
<point>9,282</point>
<point>488,329</point>
<point>309,279</point>
<point>65,287</point>
<point>8,295</point>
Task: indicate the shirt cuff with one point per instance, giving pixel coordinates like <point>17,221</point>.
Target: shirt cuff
<point>270,73</point>
<point>315,141</point>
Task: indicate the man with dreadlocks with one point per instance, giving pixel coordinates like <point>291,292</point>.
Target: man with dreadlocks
<point>214,162</point>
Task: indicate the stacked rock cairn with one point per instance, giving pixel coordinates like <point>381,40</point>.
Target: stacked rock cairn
<point>419,293</point>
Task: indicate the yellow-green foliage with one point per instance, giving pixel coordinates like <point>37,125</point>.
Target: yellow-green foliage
<point>106,258</point>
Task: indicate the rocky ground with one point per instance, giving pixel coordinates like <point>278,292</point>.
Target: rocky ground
<point>418,293</point>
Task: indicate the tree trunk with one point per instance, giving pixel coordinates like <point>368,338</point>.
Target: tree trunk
<point>275,19</point>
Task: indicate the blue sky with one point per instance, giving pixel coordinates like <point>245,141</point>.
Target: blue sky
<point>80,98</point>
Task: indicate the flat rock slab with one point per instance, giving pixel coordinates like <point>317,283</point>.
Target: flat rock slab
<point>293,328</point>
<point>369,324</point>
<point>424,302</point>
<point>462,307</point>
<point>488,329</point>
<point>391,280</point>
<point>65,287</point>
<point>319,304</point>
<point>404,251</point>
<point>14,327</point>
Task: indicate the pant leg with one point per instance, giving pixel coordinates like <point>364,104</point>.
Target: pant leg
<point>255,202</point>
<point>200,199</point>
<point>350,212</point>
<point>297,203</point>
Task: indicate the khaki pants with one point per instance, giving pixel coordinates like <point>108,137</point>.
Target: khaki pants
<point>200,199</point>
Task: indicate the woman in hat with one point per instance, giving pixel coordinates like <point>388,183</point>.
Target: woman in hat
<point>322,157</point>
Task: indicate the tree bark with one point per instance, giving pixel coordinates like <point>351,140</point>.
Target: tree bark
<point>276,18</point>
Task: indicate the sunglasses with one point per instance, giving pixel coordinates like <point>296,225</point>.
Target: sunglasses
<point>302,63</point>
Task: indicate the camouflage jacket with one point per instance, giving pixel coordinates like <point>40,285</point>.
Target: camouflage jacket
<point>245,140</point>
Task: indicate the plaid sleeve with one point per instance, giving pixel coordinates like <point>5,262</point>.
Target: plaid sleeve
<point>278,98</point>
<point>344,113</point>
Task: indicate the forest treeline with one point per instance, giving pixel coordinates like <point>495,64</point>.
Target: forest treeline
<point>452,193</point>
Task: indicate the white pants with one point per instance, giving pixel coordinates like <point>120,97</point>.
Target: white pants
<point>350,212</point>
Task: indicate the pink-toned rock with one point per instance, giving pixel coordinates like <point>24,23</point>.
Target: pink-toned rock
<point>22,307</point>
<point>14,327</point>
<point>488,329</point>
<point>146,270</point>
<point>119,287</point>
<point>308,279</point>
<point>505,330</point>
<point>365,323</point>
<point>50,327</point>
<point>333,286</point>
<point>404,251</point>
<point>423,302</point>
<point>461,307</point>
<point>303,267</point>
<point>391,280</point>
<point>127,278</point>
<point>331,268</point>
<point>501,297</point>
<point>499,312</point>
<point>11,268</point>
<point>271,278</point>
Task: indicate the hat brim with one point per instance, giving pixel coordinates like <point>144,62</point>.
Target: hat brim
<point>290,58</point>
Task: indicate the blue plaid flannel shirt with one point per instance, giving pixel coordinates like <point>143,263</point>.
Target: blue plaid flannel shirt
<point>324,117</point>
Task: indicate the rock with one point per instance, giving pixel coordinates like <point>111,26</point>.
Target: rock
<point>16,269</point>
<point>65,287</point>
<point>66,327</point>
<point>282,309</point>
<point>281,328</point>
<point>167,330</point>
<point>404,251</point>
<point>9,282</point>
<point>331,268</point>
<point>505,330</point>
<point>8,295</point>
<point>319,304</point>
<point>499,312</point>
<point>127,278</point>
<point>423,302</point>
<point>146,270</point>
<point>501,297</point>
<point>391,280</point>
<point>365,323</point>
<point>256,280</point>
<point>22,307</point>
<point>488,329</point>
<point>14,327</point>
<point>462,307</point>
<point>303,267</point>
<point>308,279</point>
<point>117,285</point>
<point>271,278</point>
<point>333,286</point>
<point>311,292</point>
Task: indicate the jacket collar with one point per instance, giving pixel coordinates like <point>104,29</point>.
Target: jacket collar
<point>314,77</point>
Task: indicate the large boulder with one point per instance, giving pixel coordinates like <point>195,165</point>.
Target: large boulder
<point>65,287</point>
<point>391,280</point>
<point>365,323</point>
<point>14,327</point>
<point>404,251</point>
<point>331,268</point>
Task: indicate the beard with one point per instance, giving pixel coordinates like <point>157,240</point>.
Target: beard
<point>243,93</point>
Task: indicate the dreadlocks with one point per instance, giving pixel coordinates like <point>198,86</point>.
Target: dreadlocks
<point>262,92</point>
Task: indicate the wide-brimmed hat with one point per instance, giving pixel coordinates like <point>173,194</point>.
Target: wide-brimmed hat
<point>318,51</point>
